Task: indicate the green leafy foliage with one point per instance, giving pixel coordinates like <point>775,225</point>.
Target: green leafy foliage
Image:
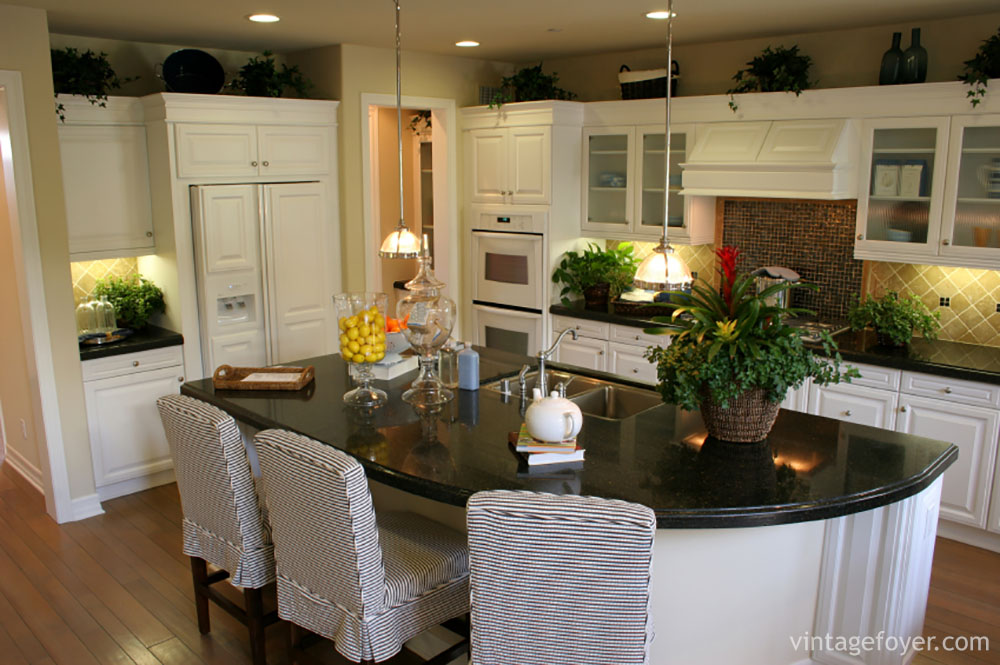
<point>983,67</point>
<point>577,271</point>
<point>775,70</point>
<point>894,317</point>
<point>135,299</point>
<point>88,74</point>
<point>727,343</point>
<point>261,78</point>
<point>528,85</point>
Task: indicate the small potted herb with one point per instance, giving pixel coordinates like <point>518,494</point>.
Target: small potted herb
<point>983,67</point>
<point>734,357</point>
<point>775,70</point>
<point>261,78</point>
<point>596,274</point>
<point>894,318</point>
<point>135,299</point>
<point>88,74</point>
<point>529,85</point>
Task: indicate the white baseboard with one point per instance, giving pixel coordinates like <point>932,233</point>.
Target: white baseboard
<point>133,485</point>
<point>28,471</point>
<point>86,506</point>
<point>969,535</point>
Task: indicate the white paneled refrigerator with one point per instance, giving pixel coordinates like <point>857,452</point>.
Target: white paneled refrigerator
<point>263,275</point>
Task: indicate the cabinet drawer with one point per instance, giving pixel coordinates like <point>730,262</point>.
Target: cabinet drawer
<point>584,327</point>
<point>872,376</point>
<point>636,337</point>
<point>128,363</point>
<point>628,361</point>
<point>854,404</point>
<point>952,390</point>
<point>584,352</point>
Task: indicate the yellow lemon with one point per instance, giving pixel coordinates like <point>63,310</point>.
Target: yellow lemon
<point>370,358</point>
<point>379,348</point>
<point>353,346</point>
<point>358,358</point>
<point>344,339</point>
<point>379,320</point>
<point>366,349</point>
<point>379,356</point>
<point>364,330</point>
<point>343,323</point>
<point>380,336</point>
<point>352,321</point>
<point>352,333</point>
<point>370,340</point>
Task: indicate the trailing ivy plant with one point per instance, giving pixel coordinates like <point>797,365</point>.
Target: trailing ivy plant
<point>87,73</point>
<point>528,85</point>
<point>776,69</point>
<point>261,78</point>
<point>579,271</point>
<point>894,318</point>
<point>983,67</point>
<point>135,299</point>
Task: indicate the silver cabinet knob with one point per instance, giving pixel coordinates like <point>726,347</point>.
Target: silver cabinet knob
<point>847,413</point>
<point>861,236</point>
<point>180,379</point>
<point>578,327</point>
<point>635,371</point>
<point>135,363</point>
<point>266,163</point>
<point>637,338</point>
<point>149,234</point>
<point>947,391</point>
<point>903,408</point>
<point>946,242</point>
<point>600,353</point>
<point>254,163</point>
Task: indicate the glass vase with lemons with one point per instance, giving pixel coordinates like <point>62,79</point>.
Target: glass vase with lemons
<point>361,321</point>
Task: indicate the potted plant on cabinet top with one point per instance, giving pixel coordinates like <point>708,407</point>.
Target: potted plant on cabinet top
<point>88,74</point>
<point>596,274</point>
<point>529,85</point>
<point>983,67</point>
<point>261,78</point>
<point>894,318</point>
<point>734,357</point>
<point>775,70</point>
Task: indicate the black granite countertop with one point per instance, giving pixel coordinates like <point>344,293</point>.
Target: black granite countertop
<point>150,337</point>
<point>810,467</point>
<point>576,310</point>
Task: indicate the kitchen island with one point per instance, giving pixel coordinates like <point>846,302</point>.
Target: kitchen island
<point>825,528</point>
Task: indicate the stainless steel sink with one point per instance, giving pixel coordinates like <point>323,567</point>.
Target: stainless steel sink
<point>615,402</point>
<point>577,384</point>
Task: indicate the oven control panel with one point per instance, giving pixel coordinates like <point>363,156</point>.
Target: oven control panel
<point>508,220</point>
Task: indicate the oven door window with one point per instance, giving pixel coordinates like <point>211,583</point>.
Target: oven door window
<point>513,341</point>
<point>506,268</point>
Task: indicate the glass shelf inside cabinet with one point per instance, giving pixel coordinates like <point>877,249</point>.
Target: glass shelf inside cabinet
<point>654,181</point>
<point>608,182</point>
<point>977,211</point>
<point>899,198</point>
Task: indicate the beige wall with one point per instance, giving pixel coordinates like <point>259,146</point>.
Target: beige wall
<point>141,59</point>
<point>841,58</point>
<point>24,47</point>
<point>388,161</point>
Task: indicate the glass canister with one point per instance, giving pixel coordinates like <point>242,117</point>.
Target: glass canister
<point>361,318</point>
<point>86,317</point>
<point>448,363</point>
<point>106,318</point>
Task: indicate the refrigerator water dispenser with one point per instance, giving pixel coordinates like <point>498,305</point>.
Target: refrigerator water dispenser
<point>236,309</point>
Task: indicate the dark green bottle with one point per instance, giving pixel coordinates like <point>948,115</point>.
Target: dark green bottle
<point>892,63</point>
<point>915,60</point>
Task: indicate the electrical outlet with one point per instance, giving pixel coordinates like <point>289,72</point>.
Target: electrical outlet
<point>24,429</point>
<point>944,301</point>
<point>998,308</point>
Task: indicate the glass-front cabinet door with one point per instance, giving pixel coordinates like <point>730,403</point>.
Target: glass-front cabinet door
<point>652,180</point>
<point>971,230</point>
<point>901,192</point>
<point>608,174</point>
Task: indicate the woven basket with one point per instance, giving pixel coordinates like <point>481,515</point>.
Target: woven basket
<point>749,418</point>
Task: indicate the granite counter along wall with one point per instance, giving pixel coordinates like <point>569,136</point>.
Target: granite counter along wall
<point>86,273</point>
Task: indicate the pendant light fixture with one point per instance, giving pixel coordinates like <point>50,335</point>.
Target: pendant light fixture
<point>402,243</point>
<point>663,270</point>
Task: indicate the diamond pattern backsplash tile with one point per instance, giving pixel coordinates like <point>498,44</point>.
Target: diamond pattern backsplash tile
<point>86,273</point>
<point>972,314</point>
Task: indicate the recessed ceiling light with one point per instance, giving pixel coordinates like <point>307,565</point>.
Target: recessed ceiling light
<point>660,15</point>
<point>467,43</point>
<point>263,18</point>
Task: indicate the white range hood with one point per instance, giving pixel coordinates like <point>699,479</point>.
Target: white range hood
<point>800,159</point>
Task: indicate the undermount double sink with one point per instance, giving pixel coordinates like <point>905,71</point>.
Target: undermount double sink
<point>601,399</point>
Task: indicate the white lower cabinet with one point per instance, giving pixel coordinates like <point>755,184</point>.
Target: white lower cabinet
<point>583,352</point>
<point>974,429</point>
<point>629,361</point>
<point>854,404</point>
<point>128,446</point>
<point>607,347</point>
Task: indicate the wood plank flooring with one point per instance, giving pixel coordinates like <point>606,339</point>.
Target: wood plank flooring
<point>116,589</point>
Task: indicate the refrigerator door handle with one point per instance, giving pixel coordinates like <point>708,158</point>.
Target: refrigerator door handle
<point>266,261</point>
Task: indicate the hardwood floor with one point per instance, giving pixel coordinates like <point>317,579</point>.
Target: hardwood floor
<point>116,589</point>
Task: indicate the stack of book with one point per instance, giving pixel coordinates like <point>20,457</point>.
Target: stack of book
<point>534,453</point>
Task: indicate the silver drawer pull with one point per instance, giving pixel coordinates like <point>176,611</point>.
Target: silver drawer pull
<point>635,371</point>
<point>266,163</point>
<point>847,413</point>
<point>600,353</point>
<point>253,163</point>
<point>135,363</point>
<point>637,338</point>
<point>903,408</point>
<point>947,390</point>
<point>149,234</point>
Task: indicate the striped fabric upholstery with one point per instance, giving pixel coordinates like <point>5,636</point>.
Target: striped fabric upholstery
<point>368,585</point>
<point>223,522</point>
<point>559,580</point>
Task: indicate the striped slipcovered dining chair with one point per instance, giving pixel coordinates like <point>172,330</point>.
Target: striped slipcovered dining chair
<point>223,522</point>
<point>559,580</point>
<point>367,582</point>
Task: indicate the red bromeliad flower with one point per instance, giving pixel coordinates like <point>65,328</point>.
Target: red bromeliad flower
<point>727,268</point>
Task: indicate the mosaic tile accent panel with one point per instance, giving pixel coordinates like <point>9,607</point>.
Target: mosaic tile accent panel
<point>86,273</point>
<point>813,238</point>
<point>700,259</point>
<point>972,313</point>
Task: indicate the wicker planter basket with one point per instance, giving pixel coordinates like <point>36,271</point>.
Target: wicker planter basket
<point>749,417</point>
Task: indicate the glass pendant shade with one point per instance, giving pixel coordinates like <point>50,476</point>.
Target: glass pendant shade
<point>400,244</point>
<point>662,270</point>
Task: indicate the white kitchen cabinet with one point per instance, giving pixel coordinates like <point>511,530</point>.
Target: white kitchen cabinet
<point>105,174</point>
<point>993,516</point>
<point>128,447</point>
<point>630,362</point>
<point>510,165</point>
<point>583,352</point>
<point>231,150</point>
<point>854,404</point>
<point>607,347</point>
<point>797,399</point>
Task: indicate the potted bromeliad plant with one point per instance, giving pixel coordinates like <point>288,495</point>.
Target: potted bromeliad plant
<point>596,274</point>
<point>893,318</point>
<point>733,355</point>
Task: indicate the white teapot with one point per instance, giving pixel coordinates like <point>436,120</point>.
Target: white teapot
<point>552,418</point>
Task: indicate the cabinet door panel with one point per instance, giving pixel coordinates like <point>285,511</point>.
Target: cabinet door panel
<point>226,223</point>
<point>216,150</point>
<point>487,159</point>
<point>854,404</point>
<point>297,271</point>
<point>583,352</point>
<point>628,361</point>
<point>530,164</point>
<point>966,489</point>
<point>126,437</point>
<point>240,349</point>
<point>294,150</point>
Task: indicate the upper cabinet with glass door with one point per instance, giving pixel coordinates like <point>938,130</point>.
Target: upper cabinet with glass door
<point>608,171</point>
<point>971,229</point>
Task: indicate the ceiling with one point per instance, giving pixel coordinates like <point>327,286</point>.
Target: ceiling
<point>511,30</point>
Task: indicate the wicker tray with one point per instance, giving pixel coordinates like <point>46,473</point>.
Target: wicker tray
<point>628,308</point>
<point>227,377</point>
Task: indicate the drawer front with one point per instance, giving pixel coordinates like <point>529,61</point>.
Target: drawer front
<point>952,390</point>
<point>636,337</point>
<point>584,352</point>
<point>854,404</point>
<point>627,361</point>
<point>872,376</point>
<point>127,363</point>
<point>584,327</point>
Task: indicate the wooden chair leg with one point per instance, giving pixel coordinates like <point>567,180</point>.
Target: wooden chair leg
<point>255,622</point>
<point>199,575</point>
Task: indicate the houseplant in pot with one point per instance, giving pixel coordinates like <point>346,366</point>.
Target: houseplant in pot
<point>596,274</point>
<point>733,355</point>
<point>87,73</point>
<point>893,318</point>
<point>528,85</point>
<point>776,69</point>
<point>980,69</point>
<point>135,299</point>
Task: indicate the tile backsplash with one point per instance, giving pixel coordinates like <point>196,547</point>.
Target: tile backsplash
<point>86,273</point>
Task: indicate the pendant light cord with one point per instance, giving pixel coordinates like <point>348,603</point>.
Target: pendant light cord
<point>399,116</point>
<point>666,132</point>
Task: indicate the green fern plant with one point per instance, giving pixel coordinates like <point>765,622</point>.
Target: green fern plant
<point>776,69</point>
<point>980,69</point>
